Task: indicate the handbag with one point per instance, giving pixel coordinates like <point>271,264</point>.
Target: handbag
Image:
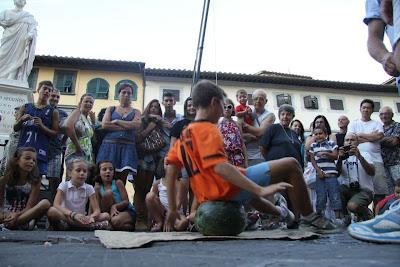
<point>310,175</point>
<point>153,142</point>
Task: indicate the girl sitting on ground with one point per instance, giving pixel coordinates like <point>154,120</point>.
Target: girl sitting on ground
<point>113,198</point>
<point>19,192</point>
<point>157,206</point>
<point>69,207</point>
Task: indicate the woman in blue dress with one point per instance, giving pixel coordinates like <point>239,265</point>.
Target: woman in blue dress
<point>119,144</point>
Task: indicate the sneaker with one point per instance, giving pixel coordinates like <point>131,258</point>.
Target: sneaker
<point>384,228</point>
<point>289,217</point>
<point>317,223</point>
<point>340,223</point>
<point>281,202</point>
<point>29,226</point>
<point>3,228</point>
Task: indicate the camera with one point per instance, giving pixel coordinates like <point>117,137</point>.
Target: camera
<point>346,148</point>
<point>355,186</point>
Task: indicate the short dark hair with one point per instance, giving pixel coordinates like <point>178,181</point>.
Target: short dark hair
<point>397,183</point>
<point>168,94</point>
<point>45,82</point>
<point>204,91</point>
<point>322,128</point>
<point>123,86</point>
<point>369,101</point>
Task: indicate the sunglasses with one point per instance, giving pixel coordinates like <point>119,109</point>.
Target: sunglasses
<point>228,107</point>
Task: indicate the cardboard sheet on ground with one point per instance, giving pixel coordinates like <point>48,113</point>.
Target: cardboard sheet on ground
<point>116,239</point>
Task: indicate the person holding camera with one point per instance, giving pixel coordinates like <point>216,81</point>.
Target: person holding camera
<point>356,169</point>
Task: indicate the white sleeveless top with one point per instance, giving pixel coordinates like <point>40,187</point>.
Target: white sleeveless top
<point>253,150</point>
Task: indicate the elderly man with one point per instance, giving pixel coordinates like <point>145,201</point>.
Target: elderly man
<point>357,169</point>
<point>390,148</point>
<point>342,122</point>
<point>262,119</point>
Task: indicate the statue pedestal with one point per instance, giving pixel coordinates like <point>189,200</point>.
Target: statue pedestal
<point>14,83</point>
<point>11,96</point>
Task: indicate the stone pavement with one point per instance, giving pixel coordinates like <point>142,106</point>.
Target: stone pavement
<point>46,248</point>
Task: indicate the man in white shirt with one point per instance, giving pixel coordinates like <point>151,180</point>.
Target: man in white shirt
<point>356,170</point>
<point>369,133</point>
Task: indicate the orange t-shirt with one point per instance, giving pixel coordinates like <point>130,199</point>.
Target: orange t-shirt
<point>199,149</point>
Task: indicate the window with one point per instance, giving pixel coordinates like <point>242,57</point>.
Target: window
<point>64,81</point>
<point>250,99</point>
<point>134,93</point>
<point>283,99</point>
<point>377,106</point>
<point>175,92</point>
<point>310,102</point>
<point>336,104</point>
<point>398,107</point>
<point>98,88</point>
<point>32,79</point>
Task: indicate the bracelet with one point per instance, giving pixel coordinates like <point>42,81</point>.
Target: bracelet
<point>72,215</point>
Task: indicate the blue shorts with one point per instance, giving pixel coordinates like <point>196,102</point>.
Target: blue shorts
<point>42,166</point>
<point>259,174</point>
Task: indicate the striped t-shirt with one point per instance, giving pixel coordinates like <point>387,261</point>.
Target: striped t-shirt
<point>327,165</point>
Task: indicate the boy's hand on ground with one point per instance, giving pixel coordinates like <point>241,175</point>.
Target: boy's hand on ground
<point>274,188</point>
<point>11,218</point>
<point>170,220</point>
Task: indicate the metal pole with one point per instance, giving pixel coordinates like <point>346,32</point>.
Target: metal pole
<point>200,44</point>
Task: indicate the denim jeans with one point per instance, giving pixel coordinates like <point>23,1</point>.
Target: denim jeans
<point>327,187</point>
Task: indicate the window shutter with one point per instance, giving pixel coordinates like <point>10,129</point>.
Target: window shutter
<point>283,99</point>
<point>336,104</point>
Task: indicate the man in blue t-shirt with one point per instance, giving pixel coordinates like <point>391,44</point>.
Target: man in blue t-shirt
<point>35,120</point>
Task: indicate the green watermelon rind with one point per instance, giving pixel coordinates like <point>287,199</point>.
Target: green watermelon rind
<point>220,218</point>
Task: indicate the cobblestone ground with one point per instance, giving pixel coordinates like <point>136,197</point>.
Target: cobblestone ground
<point>41,248</point>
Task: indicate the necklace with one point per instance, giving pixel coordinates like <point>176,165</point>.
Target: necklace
<point>289,137</point>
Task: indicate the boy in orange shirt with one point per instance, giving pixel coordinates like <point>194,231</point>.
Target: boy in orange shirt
<point>201,151</point>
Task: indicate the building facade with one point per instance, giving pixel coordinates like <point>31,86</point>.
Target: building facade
<point>74,77</point>
<point>310,97</point>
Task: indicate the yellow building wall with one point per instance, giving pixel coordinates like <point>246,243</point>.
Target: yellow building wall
<point>82,79</point>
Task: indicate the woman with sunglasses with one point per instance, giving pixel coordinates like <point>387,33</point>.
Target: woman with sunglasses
<point>232,133</point>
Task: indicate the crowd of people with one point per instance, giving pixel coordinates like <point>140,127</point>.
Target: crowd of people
<point>175,162</point>
<point>215,151</point>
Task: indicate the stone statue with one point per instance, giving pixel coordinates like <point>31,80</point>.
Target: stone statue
<point>17,50</point>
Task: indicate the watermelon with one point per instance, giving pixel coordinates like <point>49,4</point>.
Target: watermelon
<point>220,218</point>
